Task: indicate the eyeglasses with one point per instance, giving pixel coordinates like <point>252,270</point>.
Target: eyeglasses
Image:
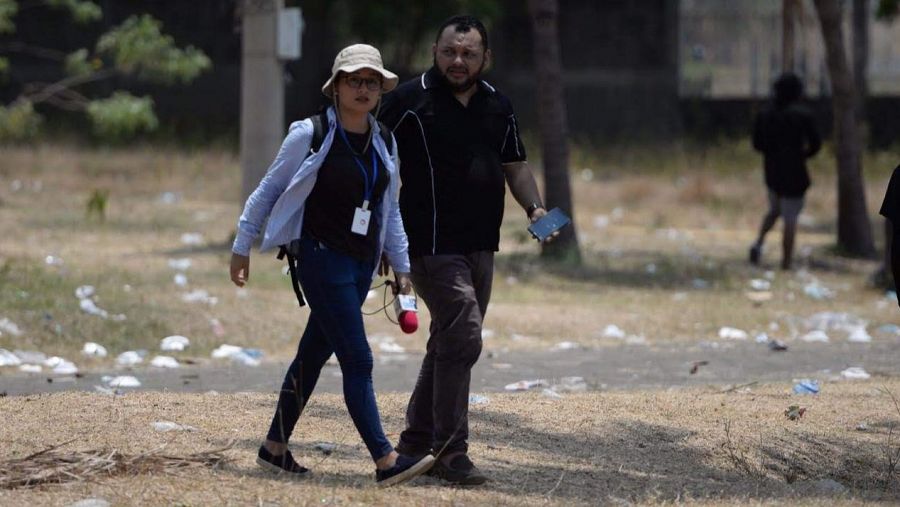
<point>372,84</point>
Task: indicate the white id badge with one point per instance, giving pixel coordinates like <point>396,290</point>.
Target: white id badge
<point>361,221</point>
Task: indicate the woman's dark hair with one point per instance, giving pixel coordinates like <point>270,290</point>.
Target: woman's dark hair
<point>787,89</point>
<point>463,24</point>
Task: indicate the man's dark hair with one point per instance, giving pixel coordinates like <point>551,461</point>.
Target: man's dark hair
<point>788,89</point>
<point>463,24</point>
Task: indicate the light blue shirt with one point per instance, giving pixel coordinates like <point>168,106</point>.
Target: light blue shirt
<point>282,193</point>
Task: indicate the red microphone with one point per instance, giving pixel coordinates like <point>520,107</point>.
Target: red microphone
<point>406,310</point>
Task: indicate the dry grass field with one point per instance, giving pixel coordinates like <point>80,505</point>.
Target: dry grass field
<point>664,235</point>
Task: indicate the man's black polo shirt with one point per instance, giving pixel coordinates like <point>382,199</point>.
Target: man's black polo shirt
<point>451,159</point>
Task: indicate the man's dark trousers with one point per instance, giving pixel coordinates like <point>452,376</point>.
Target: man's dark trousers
<point>456,289</point>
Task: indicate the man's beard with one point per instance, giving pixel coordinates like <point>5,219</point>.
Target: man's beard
<point>465,85</point>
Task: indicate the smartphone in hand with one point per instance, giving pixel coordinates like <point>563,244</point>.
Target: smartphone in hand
<point>553,221</point>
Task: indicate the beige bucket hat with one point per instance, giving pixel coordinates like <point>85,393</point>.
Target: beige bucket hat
<point>356,57</point>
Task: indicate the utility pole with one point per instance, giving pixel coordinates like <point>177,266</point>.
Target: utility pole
<point>262,91</point>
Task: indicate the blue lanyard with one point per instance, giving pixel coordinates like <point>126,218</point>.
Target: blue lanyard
<point>369,187</point>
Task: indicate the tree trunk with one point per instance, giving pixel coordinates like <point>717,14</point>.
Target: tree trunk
<point>552,124</point>
<point>861,49</point>
<point>854,235</point>
<point>788,23</point>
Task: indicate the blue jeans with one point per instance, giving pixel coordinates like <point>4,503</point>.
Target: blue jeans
<point>335,286</point>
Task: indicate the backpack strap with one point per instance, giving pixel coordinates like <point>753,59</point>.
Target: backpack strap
<point>319,121</point>
<point>386,136</point>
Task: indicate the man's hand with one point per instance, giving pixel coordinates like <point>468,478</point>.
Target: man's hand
<point>535,216</point>
<point>384,266</point>
<point>240,269</point>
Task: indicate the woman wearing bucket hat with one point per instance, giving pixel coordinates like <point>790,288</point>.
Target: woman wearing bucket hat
<point>336,205</point>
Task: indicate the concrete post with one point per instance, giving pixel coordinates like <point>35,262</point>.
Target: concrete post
<point>262,91</point>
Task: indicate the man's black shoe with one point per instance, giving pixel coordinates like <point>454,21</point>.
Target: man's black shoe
<point>406,468</point>
<point>460,471</point>
<point>755,253</point>
<point>283,463</point>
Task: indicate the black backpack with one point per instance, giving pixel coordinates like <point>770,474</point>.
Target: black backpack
<point>292,249</point>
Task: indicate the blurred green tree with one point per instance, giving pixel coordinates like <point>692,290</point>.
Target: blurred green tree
<point>136,48</point>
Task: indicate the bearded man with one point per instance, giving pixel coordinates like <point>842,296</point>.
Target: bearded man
<point>460,145</point>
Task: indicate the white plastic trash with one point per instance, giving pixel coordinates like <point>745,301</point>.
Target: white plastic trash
<point>524,385</point>
<point>613,331</point>
<point>478,399</point>
<point>199,296</point>
<point>760,284</point>
<point>859,334</point>
<point>7,358</point>
<point>550,393</point>
<point>124,381</point>
<point>129,358</point>
<point>174,343</point>
<point>180,264</point>
<point>166,426</point>
<point>92,349</point>
<point>815,336</point>
<point>732,333</point>
<point>225,350</point>
<point>855,373</point>
<point>192,238</point>
<point>565,345</point>
<point>61,366</point>
<point>10,327</point>
<point>164,362</point>
<point>31,368</point>
<point>180,279</point>
<point>85,291</point>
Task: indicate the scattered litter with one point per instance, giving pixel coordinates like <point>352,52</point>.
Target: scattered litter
<point>180,264</point>
<point>246,357</point>
<point>817,291</point>
<point>636,339</point>
<point>8,326</point>
<point>130,358</point>
<point>777,346</point>
<point>174,343</point>
<point>164,362</point>
<point>7,358</point>
<point>31,368</point>
<point>487,333</point>
<point>91,502</point>
<point>732,333</point>
<point>760,284</point>
<point>761,338</point>
<point>855,373</point>
<point>524,385</point>
<point>601,221</point>
<point>391,348</point>
<point>806,386</point>
<point>613,331</point>
<point>794,412</point>
<point>478,399</point>
<point>192,238</point>
<point>88,306</point>
<point>107,391</point>
<point>51,260</point>
<point>30,356</point>
<point>565,345</point>
<point>180,279</point>
<point>122,381</point>
<point>85,291</point>
<point>199,296</point>
<point>169,197</point>
<point>862,427</point>
<point>325,448</point>
<point>695,367</point>
<point>889,329</point>
<point>166,426</point>
<point>92,349</point>
<point>815,336</point>
<point>61,366</point>
<point>550,393</point>
<point>859,335</point>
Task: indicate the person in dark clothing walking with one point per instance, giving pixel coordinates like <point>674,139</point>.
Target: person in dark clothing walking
<point>461,146</point>
<point>786,135</point>
<point>890,209</point>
